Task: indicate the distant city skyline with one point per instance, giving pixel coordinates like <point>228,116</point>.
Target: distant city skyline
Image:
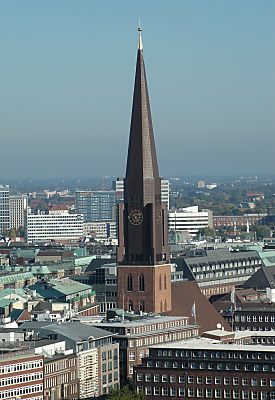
<point>67,80</point>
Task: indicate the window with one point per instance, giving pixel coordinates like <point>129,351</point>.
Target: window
<point>236,394</point>
<point>218,380</point>
<point>165,391</point>
<point>173,392</point>
<point>236,381</point>
<point>190,379</point>
<point>245,394</point>
<point>245,381</point>
<point>254,382</point>
<point>156,391</point>
<point>148,390</point>
<point>200,380</point>
<point>208,380</point>
<point>141,306</point>
<point>199,392</point>
<point>181,379</point>
<point>182,392</point>
<point>147,378</point>
<point>226,394</point>
<point>209,393</point>
<point>156,378</point>
<point>191,392</point>
<point>173,378</point>
<point>263,382</point>
<point>160,282</point>
<point>139,377</point>
<point>254,395</point>
<point>141,283</point>
<point>164,378</point>
<point>218,393</point>
<point>165,282</point>
<point>132,356</point>
<point>264,396</point>
<point>129,283</point>
<point>226,381</point>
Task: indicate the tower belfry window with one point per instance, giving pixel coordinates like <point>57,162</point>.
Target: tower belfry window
<point>141,283</point>
<point>129,283</point>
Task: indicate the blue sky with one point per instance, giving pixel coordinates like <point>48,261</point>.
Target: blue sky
<point>67,70</point>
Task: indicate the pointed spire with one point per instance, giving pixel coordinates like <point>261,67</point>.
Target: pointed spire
<point>140,44</point>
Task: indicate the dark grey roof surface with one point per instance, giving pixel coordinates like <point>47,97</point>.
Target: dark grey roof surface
<point>77,331</point>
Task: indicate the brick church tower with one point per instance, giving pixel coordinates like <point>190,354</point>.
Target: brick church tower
<point>143,255</point>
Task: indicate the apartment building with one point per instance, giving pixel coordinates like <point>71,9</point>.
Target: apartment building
<point>189,219</point>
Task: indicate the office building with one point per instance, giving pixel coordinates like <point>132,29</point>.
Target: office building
<point>4,208</point>
<point>101,230</point>
<point>239,221</point>
<point>189,219</point>
<point>218,271</point>
<point>18,211</point>
<point>207,369</point>
<point>58,225</point>
<point>96,205</point>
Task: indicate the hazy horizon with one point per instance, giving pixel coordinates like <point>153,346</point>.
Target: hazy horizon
<point>67,78</point>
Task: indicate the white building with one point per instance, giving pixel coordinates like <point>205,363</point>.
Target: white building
<point>103,230</point>
<point>58,225</point>
<point>18,210</point>
<point>4,208</point>
<point>189,219</point>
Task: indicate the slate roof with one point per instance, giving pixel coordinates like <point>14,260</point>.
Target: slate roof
<point>55,289</point>
<point>262,279</point>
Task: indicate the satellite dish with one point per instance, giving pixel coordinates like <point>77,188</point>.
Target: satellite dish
<point>219,326</point>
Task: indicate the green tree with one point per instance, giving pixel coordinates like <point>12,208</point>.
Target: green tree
<point>261,231</point>
<point>125,394</point>
<point>204,232</point>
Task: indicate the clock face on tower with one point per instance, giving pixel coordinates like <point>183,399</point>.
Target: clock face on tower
<point>135,217</point>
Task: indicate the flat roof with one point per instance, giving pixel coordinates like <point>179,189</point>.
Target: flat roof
<point>140,322</point>
<point>210,344</point>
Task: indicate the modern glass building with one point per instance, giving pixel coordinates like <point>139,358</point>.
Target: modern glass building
<point>96,206</point>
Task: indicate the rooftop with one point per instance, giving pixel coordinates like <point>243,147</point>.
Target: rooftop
<point>210,344</point>
<point>156,319</point>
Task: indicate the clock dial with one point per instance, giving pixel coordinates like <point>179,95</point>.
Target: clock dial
<point>135,217</point>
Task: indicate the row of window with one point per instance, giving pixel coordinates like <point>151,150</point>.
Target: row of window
<point>206,393</point>
<point>5,394</point>
<point>208,380</point>
<point>217,354</point>
<point>21,378</point>
<point>212,366</point>
<point>254,318</point>
<point>21,366</point>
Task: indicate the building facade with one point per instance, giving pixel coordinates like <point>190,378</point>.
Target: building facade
<point>189,219</point>
<point>55,226</point>
<point>18,211</point>
<point>21,375</point>
<point>96,205</point>
<point>4,208</point>
<point>207,369</point>
<point>239,221</point>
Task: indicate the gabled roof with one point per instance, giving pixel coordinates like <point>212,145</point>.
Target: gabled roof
<point>262,279</point>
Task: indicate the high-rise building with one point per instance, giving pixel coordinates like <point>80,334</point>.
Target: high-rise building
<point>143,255</point>
<point>18,210</point>
<point>4,208</point>
<point>95,206</point>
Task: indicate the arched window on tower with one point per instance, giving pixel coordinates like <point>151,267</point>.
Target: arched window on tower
<point>141,306</point>
<point>130,306</point>
<point>161,306</point>
<point>165,282</point>
<point>141,283</point>
<point>129,283</point>
<point>165,305</point>
<point>160,282</point>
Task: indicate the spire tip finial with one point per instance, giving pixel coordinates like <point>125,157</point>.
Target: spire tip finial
<point>140,45</point>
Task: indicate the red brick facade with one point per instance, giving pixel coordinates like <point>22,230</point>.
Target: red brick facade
<point>144,288</point>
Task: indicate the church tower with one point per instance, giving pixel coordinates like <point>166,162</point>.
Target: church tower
<point>143,256</point>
